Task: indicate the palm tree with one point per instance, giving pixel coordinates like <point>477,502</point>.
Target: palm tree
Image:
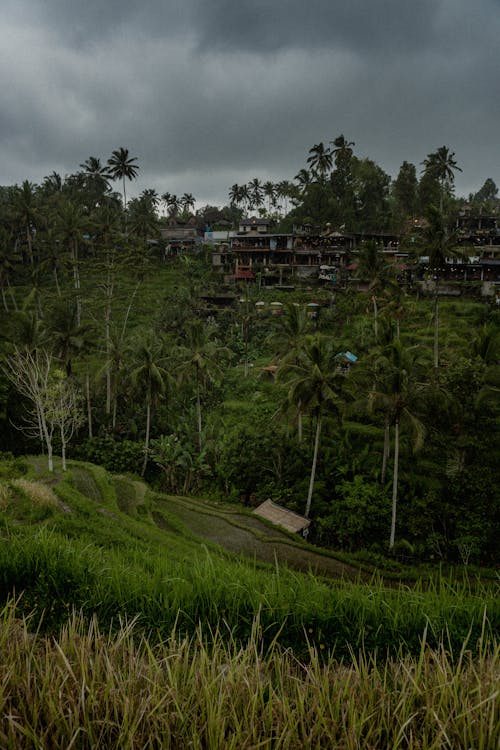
<point>25,212</point>
<point>200,359</point>
<point>72,224</point>
<point>395,394</point>
<point>291,331</point>
<point>304,179</point>
<point>270,193</point>
<point>96,175</point>
<point>256,192</point>
<point>151,378</point>
<point>285,190</point>
<point>235,196</point>
<point>438,243</point>
<point>121,166</point>
<point>187,201</point>
<point>320,159</point>
<point>52,184</point>
<point>173,203</point>
<point>342,148</point>
<point>442,166</point>
<point>7,259</point>
<point>374,269</point>
<point>315,383</point>
<point>150,196</point>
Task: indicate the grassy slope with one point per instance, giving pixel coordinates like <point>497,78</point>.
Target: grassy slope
<point>67,542</point>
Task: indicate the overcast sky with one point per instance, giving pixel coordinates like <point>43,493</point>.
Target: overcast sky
<point>207,93</point>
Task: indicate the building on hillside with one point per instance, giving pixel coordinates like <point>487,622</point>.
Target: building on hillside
<point>180,237</point>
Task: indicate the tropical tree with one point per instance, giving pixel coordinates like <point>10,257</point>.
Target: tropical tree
<point>96,178</point>
<point>123,167</point>
<point>315,383</point>
<point>235,195</point>
<point>304,178</point>
<point>255,192</point>
<point>151,378</point>
<point>72,224</point>
<point>25,212</point>
<point>442,166</point>
<point>66,334</point>
<point>437,242</point>
<point>200,361</point>
<point>187,202</point>
<point>374,269</point>
<point>291,331</point>
<point>172,202</point>
<point>405,189</point>
<point>269,189</point>
<point>320,159</point>
<point>396,393</point>
<point>7,259</point>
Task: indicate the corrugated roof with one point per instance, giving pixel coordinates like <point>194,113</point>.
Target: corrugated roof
<point>283,517</point>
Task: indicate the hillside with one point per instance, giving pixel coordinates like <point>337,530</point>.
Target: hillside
<point>110,546</point>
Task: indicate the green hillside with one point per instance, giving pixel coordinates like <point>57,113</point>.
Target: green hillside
<point>109,545</point>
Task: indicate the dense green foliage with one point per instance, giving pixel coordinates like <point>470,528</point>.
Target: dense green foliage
<point>110,547</point>
<point>398,450</point>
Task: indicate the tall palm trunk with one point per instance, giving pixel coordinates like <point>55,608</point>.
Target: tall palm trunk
<point>76,281</point>
<point>313,468</point>
<point>436,327</point>
<point>107,335</point>
<point>198,409</point>
<point>395,483</point>
<point>387,448</point>
<point>148,426</point>
<point>87,394</point>
<point>375,317</point>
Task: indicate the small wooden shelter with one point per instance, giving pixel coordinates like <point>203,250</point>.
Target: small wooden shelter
<point>283,517</point>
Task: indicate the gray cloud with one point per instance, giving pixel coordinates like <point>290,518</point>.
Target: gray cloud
<point>211,93</point>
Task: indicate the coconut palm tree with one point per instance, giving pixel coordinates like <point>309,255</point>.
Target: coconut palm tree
<point>374,269</point>
<point>442,166</point>
<point>291,331</point>
<point>122,167</point>
<point>200,361</point>
<point>320,159</point>
<point>256,192</point>
<point>438,242</point>
<point>151,378</point>
<point>72,224</point>
<point>396,394</point>
<point>7,261</point>
<point>235,195</point>
<point>187,202</point>
<point>269,189</point>
<point>173,203</point>
<point>304,178</point>
<point>96,175</point>
<point>25,212</point>
<point>315,383</point>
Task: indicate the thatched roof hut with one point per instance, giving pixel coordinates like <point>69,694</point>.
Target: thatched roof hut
<point>283,517</point>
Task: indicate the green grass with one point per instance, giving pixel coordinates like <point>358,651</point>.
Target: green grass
<point>183,564</point>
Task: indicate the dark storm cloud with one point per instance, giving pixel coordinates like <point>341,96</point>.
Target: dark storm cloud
<point>211,92</point>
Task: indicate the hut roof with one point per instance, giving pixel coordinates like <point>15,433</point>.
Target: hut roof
<point>283,517</point>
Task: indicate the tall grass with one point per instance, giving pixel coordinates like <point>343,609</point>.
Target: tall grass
<point>190,584</point>
<point>89,688</point>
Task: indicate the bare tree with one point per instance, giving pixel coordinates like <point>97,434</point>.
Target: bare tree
<point>55,402</point>
<point>29,372</point>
